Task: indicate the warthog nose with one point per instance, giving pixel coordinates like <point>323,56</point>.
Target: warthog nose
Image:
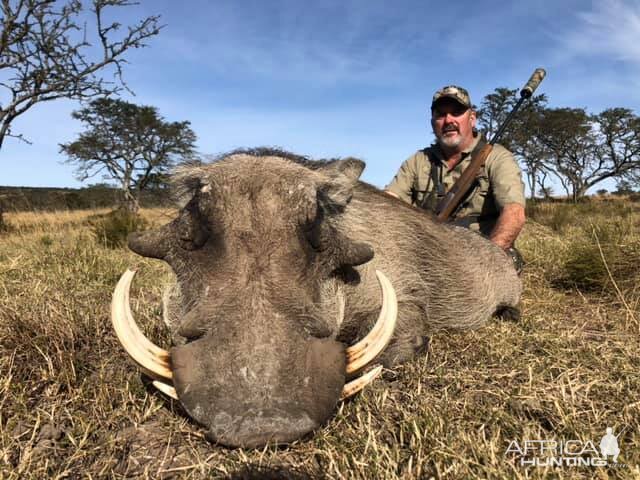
<point>243,401</point>
<point>256,428</point>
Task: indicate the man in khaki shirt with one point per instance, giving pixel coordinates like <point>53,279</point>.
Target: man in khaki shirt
<point>495,204</point>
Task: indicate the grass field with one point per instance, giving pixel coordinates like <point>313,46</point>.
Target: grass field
<point>73,406</point>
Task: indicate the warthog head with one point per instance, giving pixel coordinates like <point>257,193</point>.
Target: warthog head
<point>255,249</point>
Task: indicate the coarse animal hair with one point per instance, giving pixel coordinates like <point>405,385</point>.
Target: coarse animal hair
<point>445,277</point>
<point>276,259</point>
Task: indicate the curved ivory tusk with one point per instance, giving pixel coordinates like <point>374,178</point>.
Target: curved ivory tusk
<point>151,358</point>
<point>165,388</point>
<point>359,383</point>
<point>369,347</point>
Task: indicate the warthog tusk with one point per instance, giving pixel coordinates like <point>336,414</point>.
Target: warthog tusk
<point>165,388</point>
<point>369,347</point>
<point>359,383</point>
<point>151,358</point>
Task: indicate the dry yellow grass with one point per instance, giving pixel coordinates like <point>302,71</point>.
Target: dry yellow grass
<point>73,406</point>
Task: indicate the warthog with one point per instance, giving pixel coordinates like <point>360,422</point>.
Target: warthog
<point>280,263</point>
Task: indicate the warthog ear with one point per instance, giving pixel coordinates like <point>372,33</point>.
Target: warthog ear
<point>187,181</point>
<point>349,167</point>
<point>343,175</point>
<point>332,196</point>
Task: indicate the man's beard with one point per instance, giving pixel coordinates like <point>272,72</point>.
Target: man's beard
<point>450,142</point>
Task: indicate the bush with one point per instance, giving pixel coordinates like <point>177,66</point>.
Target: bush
<point>556,216</point>
<point>46,241</point>
<point>75,201</point>
<point>112,229</point>
<point>585,268</point>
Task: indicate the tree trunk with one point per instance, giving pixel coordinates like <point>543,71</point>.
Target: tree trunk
<point>130,202</point>
<point>131,205</point>
<point>531,180</point>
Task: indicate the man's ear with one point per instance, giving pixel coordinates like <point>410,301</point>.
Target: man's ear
<point>473,118</point>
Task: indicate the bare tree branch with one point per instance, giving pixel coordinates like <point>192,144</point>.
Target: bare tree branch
<point>46,55</point>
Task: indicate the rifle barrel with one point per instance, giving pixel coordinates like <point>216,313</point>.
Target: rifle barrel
<point>527,91</point>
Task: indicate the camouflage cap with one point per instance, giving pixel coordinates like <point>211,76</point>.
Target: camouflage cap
<point>458,94</point>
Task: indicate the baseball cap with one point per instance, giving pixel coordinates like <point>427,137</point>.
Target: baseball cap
<point>458,94</point>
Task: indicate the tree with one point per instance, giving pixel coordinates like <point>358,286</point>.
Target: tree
<point>585,150</point>
<point>520,136</point>
<point>567,137</point>
<point>128,143</point>
<point>46,53</point>
<point>619,132</point>
<point>623,187</point>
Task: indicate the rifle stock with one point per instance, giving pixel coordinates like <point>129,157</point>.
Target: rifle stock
<point>452,199</point>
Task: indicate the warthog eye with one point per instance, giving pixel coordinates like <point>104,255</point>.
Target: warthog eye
<point>191,230</point>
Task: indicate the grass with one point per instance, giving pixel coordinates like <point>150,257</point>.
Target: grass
<point>73,406</point>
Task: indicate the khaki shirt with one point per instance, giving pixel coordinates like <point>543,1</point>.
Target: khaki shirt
<point>498,184</point>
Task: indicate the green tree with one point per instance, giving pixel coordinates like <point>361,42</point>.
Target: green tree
<point>130,144</point>
<point>619,132</point>
<point>623,187</point>
<point>50,50</point>
<point>520,136</point>
<point>584,150</point>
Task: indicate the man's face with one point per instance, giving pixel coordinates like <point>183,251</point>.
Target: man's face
<point>453,124</point>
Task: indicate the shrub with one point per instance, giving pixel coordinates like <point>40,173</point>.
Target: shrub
<point>584,268</point>
<point>46,241</point>
<point>5,227</point>
<point>556,216</point>
<point>606,253</point>
<point>75,201</point>
<point>112,229</point>
<point>634,197</point>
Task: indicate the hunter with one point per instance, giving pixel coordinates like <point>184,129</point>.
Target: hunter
<point>494,206</point>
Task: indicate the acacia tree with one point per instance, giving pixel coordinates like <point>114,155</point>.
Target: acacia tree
<point>585,150</point>
<point>128,143</point>
<point>619,134</point>
<point>520,136</point>
<point>48,51</point>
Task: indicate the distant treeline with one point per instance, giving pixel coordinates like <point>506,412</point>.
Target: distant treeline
<point>20,199</point>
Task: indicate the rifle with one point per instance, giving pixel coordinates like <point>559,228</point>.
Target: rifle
<point>452,199</point>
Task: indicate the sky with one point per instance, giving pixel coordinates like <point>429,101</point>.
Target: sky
<point>344,78</point>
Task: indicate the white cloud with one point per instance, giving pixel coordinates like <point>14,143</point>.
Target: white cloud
<point>324,45</point>
<point>611,28</point>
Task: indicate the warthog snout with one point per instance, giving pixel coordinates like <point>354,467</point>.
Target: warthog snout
<point>264,393</point>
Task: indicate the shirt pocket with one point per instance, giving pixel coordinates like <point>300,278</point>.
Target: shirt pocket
<point>421,185</point>
<point>484,204</point>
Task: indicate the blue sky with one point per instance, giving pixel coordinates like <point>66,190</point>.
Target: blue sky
<point>346,78</point>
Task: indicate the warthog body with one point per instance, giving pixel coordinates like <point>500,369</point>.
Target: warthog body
<point>275,259</point>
